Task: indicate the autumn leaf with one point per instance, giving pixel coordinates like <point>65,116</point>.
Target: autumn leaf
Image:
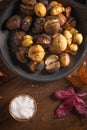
<point>79,77</point>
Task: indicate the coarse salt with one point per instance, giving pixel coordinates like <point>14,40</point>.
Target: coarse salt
<point>22,107</point>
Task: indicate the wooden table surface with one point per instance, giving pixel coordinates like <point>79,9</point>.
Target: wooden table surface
<point>44,96</point>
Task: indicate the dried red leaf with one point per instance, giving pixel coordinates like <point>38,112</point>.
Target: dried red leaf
<point>71,99</point>
<point>62,94</point>
<point>64,109</point>
<point>80,106</point>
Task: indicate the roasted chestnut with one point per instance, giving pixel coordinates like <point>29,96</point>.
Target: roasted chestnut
<point>27,7</point>
<point>52,63</point>
<point>52,25</point>
<point>22,54</point>
<point>78,38</point>
<point>18,37</point>
<point>13,22</point>
<point>62,19</point>
<point>28,41</point>
<point>59,44</point>
<point>36,53</point>
<point>68,36</point>
<point>40,10</point>
<point>64,59</point>
<point>44,40</point>
<point>57,10</point>
<point>26,23</point>
<point>73,48</point>
<point>36,66</point>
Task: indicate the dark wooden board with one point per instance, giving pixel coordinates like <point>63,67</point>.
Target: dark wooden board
<point>43,94</point>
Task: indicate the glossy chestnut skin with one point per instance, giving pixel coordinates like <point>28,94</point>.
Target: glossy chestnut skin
<point>13,22</point>
<point>27,7</point>
<point>27,10</point>
<point>44,40</point>
<point>36,66</point>
<point>18,37</point>
<point>26,23</point>
<point>21,54</point>
<point>52,63</point>
<point>62,19</point>
<point>52,25</point>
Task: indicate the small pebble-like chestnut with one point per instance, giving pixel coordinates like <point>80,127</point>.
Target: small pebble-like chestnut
<point>64,59</point>
<point>18,37</point>
<point>13,22</point>
<point>28,41</point>
<point>57,10</point>
<point>52,25</point>
<point>44,40</point>
<point>59,44</point>
<point>36,53</point>
<point>73,31</point>
<point>73,48</point>
<point>68,36</point>
<point>55,3</point>
<point>78,38</point>
<point>40,10</point>
<point>20,54</point>
<point>26,23</point>
<point>36,66</point>
<point>52,63</point>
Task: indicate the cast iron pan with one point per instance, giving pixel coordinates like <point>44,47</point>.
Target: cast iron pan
<point>41,77</point>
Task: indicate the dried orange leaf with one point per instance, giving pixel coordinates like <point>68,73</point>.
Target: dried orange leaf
<point>75,80</point>
<point>79,77</point>
<point>82,72</point>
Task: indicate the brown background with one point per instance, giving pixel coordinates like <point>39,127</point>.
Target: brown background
<point>46,101</point>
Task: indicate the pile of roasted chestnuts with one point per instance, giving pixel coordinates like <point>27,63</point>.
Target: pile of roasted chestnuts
<point>45,35</point>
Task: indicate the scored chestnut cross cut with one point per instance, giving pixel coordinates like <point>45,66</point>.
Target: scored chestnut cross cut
<point>72,100</point>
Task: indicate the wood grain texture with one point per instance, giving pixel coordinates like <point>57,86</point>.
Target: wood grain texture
<point>44,96</point>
